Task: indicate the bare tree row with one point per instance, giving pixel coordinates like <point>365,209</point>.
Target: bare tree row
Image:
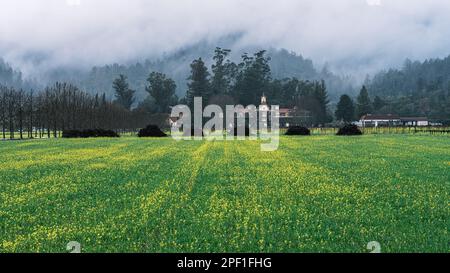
<point>61,107</point>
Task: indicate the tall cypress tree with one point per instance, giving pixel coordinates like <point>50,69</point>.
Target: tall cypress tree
<point>345,109</point>
<point>199,85</point>
<point>162,89</point>
<point>124,95</point>
<point>364,105</point>
<point>253,79</point>
<point>223,72</point>
<point>321,95</point>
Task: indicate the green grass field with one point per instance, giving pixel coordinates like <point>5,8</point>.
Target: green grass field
<point>315,194</point>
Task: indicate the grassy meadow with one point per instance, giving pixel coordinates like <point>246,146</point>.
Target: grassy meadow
<point>315,194</point>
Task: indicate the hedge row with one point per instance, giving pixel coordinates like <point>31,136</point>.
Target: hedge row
<point>89,133</point>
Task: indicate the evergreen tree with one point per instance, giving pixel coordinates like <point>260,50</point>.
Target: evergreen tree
<point>289,92</point>
<point>223,72</point>
<point>124,95</point>
<point>364,105</point>
<point>312,100</point>
<point>199,85</point>
<point>321,95</point>
<point>254,78</point>
<point>345,109</point>
<point>162,90</point>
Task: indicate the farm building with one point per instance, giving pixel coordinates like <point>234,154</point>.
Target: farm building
<point>415,121</point>
<point>380,120</point>
<point>287,116</point>
<point>392,120</point>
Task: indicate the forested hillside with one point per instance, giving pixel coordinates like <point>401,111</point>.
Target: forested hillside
<point>419,88</point>
<point>9,76</point>
<point>98,80</point>
<point>283,64</point>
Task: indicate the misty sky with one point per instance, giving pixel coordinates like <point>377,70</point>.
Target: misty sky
<point>360,35</point>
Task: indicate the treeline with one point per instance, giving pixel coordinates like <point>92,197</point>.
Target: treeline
<point>10,77</point>
<point>63,106</point>
<point>284,64</point>
<point>418,89</point>
<point>349,109</point>
<point>58,108</point>
<point>223,82</point>
<point>229,83</point>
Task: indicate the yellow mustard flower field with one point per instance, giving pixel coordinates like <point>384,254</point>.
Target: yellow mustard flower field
<point>314,194</point>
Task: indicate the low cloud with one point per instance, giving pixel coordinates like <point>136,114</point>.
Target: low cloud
<point>351,35</point>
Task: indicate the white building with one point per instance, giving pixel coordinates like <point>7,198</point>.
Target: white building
<point>415,121</point>
<point>392,120</point>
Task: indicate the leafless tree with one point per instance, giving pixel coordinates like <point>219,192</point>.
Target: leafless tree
<point>60,107</point>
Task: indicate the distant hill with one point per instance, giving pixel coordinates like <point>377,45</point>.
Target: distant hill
<point>414,77</point>
<point>419,88</point>
<point>10,76</point>
<point>99,79</point>
<point>284,64</point>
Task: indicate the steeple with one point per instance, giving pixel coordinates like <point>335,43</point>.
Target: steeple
<point>263,100</point>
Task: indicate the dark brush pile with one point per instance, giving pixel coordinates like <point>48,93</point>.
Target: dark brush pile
<point>89,133</point>
<point>151,131</point>
<point>298,131</point>
<point>349,130</point>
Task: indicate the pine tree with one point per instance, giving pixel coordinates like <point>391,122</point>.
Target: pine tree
<point>364,105</point>
<point>124,95</point>
<point>162,89</point>
<point>345,109</point>
<point>254,78</point>
<point>223,72</point>
<point>199,85</point>
<point>321,95</point>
